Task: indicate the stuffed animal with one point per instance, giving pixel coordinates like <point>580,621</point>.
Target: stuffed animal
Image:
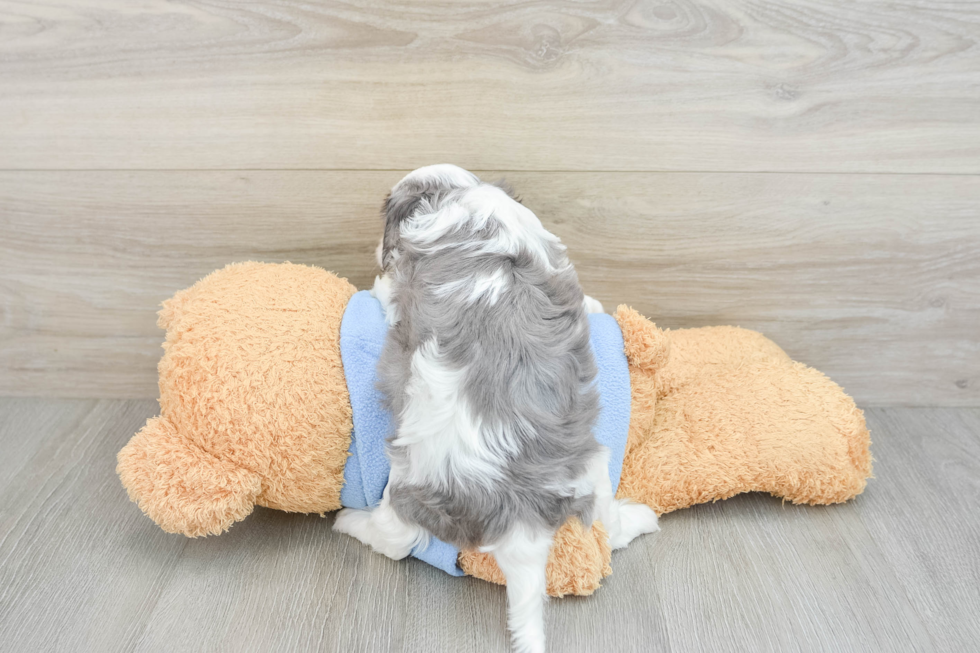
<point>267,398</point>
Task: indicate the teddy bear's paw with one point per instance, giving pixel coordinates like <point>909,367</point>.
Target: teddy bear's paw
<point>635,519</point>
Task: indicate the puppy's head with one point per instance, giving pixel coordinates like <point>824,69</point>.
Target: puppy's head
<point>419,191</point>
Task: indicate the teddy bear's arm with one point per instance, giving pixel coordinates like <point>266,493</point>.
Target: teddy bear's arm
<point>180,486</point>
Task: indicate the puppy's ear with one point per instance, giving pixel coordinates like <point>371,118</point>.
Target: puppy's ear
<point>423,186</point>
<point>399,206</point>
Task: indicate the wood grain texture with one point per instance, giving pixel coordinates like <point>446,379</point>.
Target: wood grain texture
<point>873,279</point>
<point>28,424</point>
<point>927,472</point>
<point>71,554</point>
<point>81,569</point>
<point>753,85</point>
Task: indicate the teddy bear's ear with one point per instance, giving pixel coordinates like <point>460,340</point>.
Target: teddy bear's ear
<point>646,346</point>
<point>181,487</point>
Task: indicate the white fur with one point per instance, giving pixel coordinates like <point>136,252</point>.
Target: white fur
<point>635,519</point>
<point>450,174</point>
<point>592,305</point>
<point>520,228</point>
<point>622,519</point>
<point>488,286</point>
<point>440,430</point>
<point>382,291</point>
<point>381,529</point>
<point>425,228</point>
<point>523,556</point>
<point>472,208</point>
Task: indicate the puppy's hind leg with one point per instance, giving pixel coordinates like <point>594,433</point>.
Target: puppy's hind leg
<point>623,519</point>
<point>523,555</point>
<point>381,529</point>
<point>634,519</point>
<point>382,291</point>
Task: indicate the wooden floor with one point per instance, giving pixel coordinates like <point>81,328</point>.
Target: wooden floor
<point>81,569</point>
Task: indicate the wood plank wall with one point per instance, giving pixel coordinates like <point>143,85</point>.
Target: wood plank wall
<point>810,169</point>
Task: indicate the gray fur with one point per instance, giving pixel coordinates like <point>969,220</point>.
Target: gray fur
<point>529,368</point>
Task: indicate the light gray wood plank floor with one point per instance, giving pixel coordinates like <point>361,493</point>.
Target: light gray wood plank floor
<point>81,569</point>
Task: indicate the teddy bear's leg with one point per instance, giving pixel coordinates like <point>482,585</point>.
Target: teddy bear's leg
<point>623,519</point>
<point>182,487</point>
<point>381,529</point>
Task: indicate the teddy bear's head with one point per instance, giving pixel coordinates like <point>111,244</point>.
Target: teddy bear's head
<point>253,404</point>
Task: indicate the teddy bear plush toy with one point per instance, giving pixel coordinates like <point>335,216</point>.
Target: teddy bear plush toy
<point>267,398</point>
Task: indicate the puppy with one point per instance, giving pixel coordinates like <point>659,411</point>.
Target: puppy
<point>488,372</point>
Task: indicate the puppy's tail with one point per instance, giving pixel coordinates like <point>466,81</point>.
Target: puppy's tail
<point>523,555</point>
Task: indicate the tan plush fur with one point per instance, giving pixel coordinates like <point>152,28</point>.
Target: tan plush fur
<point>253,402</point>
<point>255,411</point>
<point>732,413</point>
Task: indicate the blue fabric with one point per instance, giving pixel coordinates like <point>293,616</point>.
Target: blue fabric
<point>612,427</point>
<point>362,334</point>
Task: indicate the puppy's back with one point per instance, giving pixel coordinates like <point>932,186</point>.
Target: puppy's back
<point>488,369</point>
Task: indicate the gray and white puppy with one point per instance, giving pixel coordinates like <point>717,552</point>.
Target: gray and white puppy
<point>488,372</point>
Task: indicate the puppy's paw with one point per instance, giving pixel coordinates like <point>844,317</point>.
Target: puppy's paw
<point>356,523</point>
<point>382,291</point>
<point>592,305</point>
<point>381,531</point>
<point>634,519</point>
